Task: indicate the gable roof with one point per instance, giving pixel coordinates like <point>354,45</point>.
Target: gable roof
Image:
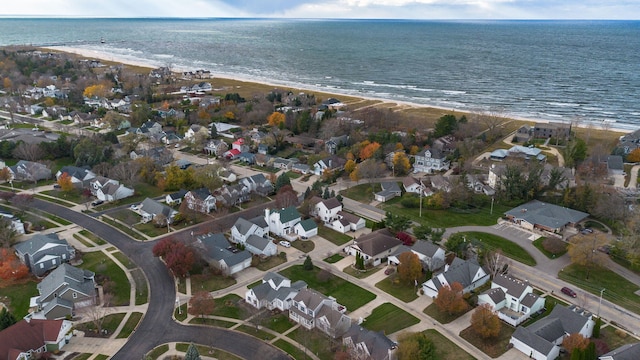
<point>308,224</point>
<point>154,207</point>
<point>243,226</point>
<point>548,215</point>
<point>377,343</point>
<point>514,286</point>
<point>217,249</point>
<point>377,242</point>
<point>425,247</point>
<point>258,242</point>
<point>462,273</point>
<point>77,279</point>
<point>624,352</point>
<point>201,193</point>
<point>331,203</point>
<point>178,194</point>
<point>39,241</point>
<point>28,335</point>
<point>288,214</point>
<point>310,298</point>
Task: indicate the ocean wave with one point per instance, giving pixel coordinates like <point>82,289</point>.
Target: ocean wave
<point>453,92</point>
<point>562,104</point>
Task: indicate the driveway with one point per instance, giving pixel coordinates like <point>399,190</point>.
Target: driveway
<point>157,327</point>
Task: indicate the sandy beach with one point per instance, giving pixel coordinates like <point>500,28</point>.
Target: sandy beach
<point>105,56</point>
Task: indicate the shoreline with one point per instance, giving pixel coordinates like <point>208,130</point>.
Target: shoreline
<point>104,56</point>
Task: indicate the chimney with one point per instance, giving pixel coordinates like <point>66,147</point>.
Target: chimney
<point>330,161</point>
<point>266,215</point>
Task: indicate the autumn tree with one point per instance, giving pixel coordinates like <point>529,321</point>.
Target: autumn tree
<point>11,268</point>
<point>410,268</point>
<point>64,180</point>
<point>201,304</point>
<point>276,119</point>
<point>634,156</point>
<point>401,164</point>
<point>583,250</point>
<point>495,262</point>
<point>450,299</point>
<point>369,150</point>
<point>575,341</point>
<point>485,322</point>
<point>349,166</point>
<point>98,90</point>
<point>5,174</point>
<point>286,197</point>
<point>178,257</point>
<point>415,346</point>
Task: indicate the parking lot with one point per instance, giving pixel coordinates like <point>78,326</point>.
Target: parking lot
<point>516,232</point>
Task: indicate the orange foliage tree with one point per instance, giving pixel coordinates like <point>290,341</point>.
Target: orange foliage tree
<point>276,118</point>
<point>10,266</point>
<point>575,341</point>
<point>634,156</point>
<point>450,299</point>
<point>98,90</point>
<point>485,322</point>
<point>369,150</point>
<point>349,166</point>
<point>65,182</point>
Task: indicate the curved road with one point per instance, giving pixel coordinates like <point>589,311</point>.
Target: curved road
<point>157,327</point>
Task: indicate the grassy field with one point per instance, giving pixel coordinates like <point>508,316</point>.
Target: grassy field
<point>389,318</point>
<point>333,236</point>
<point>445,348</point>
<point>111,323</point>
<point>346,293</point>
<point>289,348</point>
<point>227,306</point>
<point>333,258</point>
<point>158,351</point>
<point>509,248</point>
<point>270,262</point>
<point>130,325</point>
<point>619,290</point>
<point>97,240</point>
<point>493,347</point>
<point>360,274</point>
<point>210,282</point>
<point>142,290</point>
<point>278,323</point>
<point>212,322</point>
<point>16,295</point>
<point>447,218</point>
<point>304,246</point>
<point>403,291</point>
<point>100,264</point>
<point>124,260</point>
<point>362,193</point>
<point>255,332</point>
<point>613,340</point>
<point>538,243</point>
<point>314,340</point>
<point>123,228</point>
<point>441,317</point>
<point>83,241</point>
<point>208,351</point>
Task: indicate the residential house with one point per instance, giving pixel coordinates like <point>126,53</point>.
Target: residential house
<point>374,247</point>
<point>306,229</point>
<point>446,144</point>
<point>301,168</point>
<point>551,130</point>
<point>346,222</point>
<point>332,163</point>
<point>109,190</point>
<point>247,158</point>
<point>275,292</point>
<point>440,182</point>
<point>29,338</point>
<point>160,155</point>
<point>80,176</point>
<point>542,339</point>
<point>14,223</point>
<point>413,185</point>
<point>150,209</point>
<point>220,255</point>
<point>232,195</point>
<point>624,352</point>
<point>364,344</point>
<point>42,253</point>
<point>216,147</point>
<point>263,149</point>
<point>240,145</point>
<point>232,154</point>
<point>567,174</point>
<point>314,310</point>
<point>175,198</point>
<point>258,184</point>
<point>496,173</point>
<point>200,200</point>
<point>430,160</point>
<point>431,256</point>
<point>281,222</point>
<point>325,210</point>
<point>242,229</point>
<point>263,160</point>
<point>284,164</point>
<point>258,137</point>
<point>227,175</point>
<point>257,245</point>
<point>390,189</point>
<point>29,171</point>
<point>466,272</point>
<point>335,142</point>
<point>512,299</point>
<point>537,215</point>
<point>170,137</point>
<point>518,151</point>
<point>615,165</point>
<point>523,134</point>
<point>194,129</point>
<point>628,143</point>
<point>64,290</point>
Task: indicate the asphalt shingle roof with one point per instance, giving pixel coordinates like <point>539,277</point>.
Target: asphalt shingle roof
<point>548,215</point>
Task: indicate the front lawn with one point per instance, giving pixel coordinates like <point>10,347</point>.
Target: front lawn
<point>493,347</point>
<point>403,291</point>
<point>619,290</point>
<point>346,293</point>
<point>316,342</point>
<point>615,338</point>
<point>124,260</point>
<point>104,267</point>
<point>270,262</point>
<point>212,322</point>
<point>142,290</point>
<point>230,306</point>
<point>210,282</point>
<point>110,324</point>
<point>305,246</point>
<point>291,349</point>
<point>447,218</point>
<point>445,348</point>
<point>333,258</point>
<point>278,323</point>
<point>360,274</point>
<point>441,317</point>
<point>389,318</point>
<point>89,235</point>
<point>16,295</point>
<point>333,236</point>
<point>130,325</point>
<point>255,332</point>
<point>362,193</point>
<point>509,248</point>
<point>551,247</point>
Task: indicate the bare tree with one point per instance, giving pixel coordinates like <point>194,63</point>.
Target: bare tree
<point>126,172</point>
<point>96,313</point>
<point>496,263</point>
<point>29,152</point>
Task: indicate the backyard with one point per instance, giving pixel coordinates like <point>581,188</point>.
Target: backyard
<point>100,264</point>
<point>389,318</point>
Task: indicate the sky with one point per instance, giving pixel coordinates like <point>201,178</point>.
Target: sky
<point>352,9</point>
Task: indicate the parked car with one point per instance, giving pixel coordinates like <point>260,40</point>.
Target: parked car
<point>389,271</point>
<point>57,186</point>
<point>97,202</point>
<point>569,292</point>
<point>587,231</point>
<point>285,244</point>
<point>135,207</point>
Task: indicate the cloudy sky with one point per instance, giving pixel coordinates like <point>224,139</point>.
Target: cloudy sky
<point>371,9</point>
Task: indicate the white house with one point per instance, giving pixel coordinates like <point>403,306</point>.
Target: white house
<point>281,222</point>
<point>430,160</point>
<point>431,256</point>
<point>512,299</point>
<point>542,339</point>
<point>14,223</point>
<point>374,247</point>
<point>361,343</point>
<point>275,292</point>
<point>306,228</point>
<point>200,200</point>
<point>175,198</point>
<point>346,222</point>
<point>390,189</point>
<point>326,210</point>
<point>242,229</point>
<point>149,209</point>
<point>257,245</point>
<point>466,272</point>
<point>314,310</point>
<point>113,191</point>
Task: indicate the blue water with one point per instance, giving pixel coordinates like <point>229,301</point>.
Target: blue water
<point>553,70</point>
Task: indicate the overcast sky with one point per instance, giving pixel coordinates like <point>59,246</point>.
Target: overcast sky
<point>369,9</point>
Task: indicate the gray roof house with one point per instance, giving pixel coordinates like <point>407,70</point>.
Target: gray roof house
<point>366,344</point>
<point>243,228</point>
<point>257,245</point>
<point>314,310</point>
<point>200,200</point>
<point>275,292</point>
<point>468,273</point>
<point>512,299</point>
<point>374,246</point>
<point>543,216</point>
<point>258,183</point>
<point>29,171</point>
<point>80,176</point>
<point>542,339</point>
<point>615,165</point>
<point>63,290</point>
<point>624,352</point>
<point>42,253</point>
<point>175,197</point>
<point>219,253</point>
<point>150,208</point>
<point>431,255</point>
<point>390,189</point>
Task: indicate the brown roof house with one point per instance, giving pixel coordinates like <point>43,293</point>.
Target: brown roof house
<point>29,338</point>
<point>374,247</point>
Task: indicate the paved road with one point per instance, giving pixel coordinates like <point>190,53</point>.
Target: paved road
<point>157,326</point>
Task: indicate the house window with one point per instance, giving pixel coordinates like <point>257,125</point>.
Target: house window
<point>41,266</point>
<point>75,295</point>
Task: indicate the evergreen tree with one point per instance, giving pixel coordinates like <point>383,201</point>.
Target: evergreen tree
<point>307,265</point>
<point>6,319</point>
<point>307,193</point>
<point>333,193</point>
<point>326,193</point>
<point>577,354</point>
<point>596,328</point>
<point>192,353</point>
<point>339,197</point>
<point>281,181</point>
<point>590,352</point>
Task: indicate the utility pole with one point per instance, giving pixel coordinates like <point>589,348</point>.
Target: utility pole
<point>492,205</point>
<point>600,303</point>
<point>421,192</point>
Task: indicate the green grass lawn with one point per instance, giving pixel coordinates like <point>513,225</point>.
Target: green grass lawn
<point>333,258</point>
<point>126,216</point>
<point>180,313</point>
<point>83,356</point>
<point>389,318</point>
<point>208,351</point>
<point>447,218</point>
<point>228,306</point>
<point>73,196</point>
<point>255,332</point>
<point>212,322</point>
<point>445,348</point>
<point>619,290</point>
<point>596,225</point>
<point>278,323</point>
<point>210,282</point>
<point>493,347</point>
<point>158,351</point>
<point>613,340</point>
<point>100,264</point>
<point>441,317</point>
<point>150,229</point>
<point>362,193</point>
<point>403,291</point>
<point>293,175</point>
<point>89,235</point>
<point>83,241</point>
<point>123,228</point>
<point>509,248</point>
<point>360,274</point>
<point>16,295</point>
<point>130,325</point>
<point>142,290</point>
<point>111,323</point>
<point>316,342</point>
<point>333,236</point>
<point>270,262</point>
<point>305,246</point>
<point>538,243</point>
<point>124,260</point>
<point>346,293</point>
<point>289,348</point>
